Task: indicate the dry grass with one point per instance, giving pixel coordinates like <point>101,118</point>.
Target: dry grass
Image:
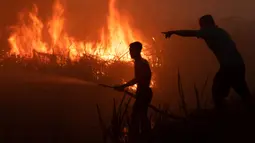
<point>159,116</point>
<point>199,124</point>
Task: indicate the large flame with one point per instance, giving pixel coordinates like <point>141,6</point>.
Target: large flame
<point>28,37</point>
<point>28,34</point>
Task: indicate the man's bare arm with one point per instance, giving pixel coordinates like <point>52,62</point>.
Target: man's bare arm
<point>130,83</point>
<point>184,33</point>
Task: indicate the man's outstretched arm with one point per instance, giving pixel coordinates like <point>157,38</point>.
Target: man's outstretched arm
<point>123,86</point>
<point>130,83</point>
<point>184,33</point>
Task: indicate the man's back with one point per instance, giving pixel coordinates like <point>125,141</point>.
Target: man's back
<point>142,73</point>
<point>224,48</point>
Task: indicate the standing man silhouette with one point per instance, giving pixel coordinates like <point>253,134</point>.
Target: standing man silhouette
<point>139,118</point>
<point>232,67</point>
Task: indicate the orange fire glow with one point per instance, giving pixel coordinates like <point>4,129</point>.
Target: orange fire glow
<point>27,37</point>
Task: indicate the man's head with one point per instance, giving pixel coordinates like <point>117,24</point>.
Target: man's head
<point>206,21</point>
<point>135,49</point>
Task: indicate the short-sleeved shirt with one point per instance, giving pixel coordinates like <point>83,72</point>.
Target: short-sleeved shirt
<point>220,42</point>
<point>142,73</point>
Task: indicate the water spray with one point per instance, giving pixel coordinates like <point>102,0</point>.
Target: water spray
<point>72,80</point>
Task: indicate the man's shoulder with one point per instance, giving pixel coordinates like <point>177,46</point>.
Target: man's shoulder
<point>142,62</point>
<point>211,32</point>
<point>145,61</point>
<point>210,29</point>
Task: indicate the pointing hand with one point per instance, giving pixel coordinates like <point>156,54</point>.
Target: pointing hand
<point>168,34</point>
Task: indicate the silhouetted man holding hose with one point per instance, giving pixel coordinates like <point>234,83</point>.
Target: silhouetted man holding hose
<point>142,78</point>
<point>232,67</point>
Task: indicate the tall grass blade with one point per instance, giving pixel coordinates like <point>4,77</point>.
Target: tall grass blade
<point>204,86</point>
<point>126,108</point>
<point>115,125</point>
<point>102,125</point>
<point>203,89</point>
<point>181,93</point>
<point>197,97</point>
<point>120,106</point>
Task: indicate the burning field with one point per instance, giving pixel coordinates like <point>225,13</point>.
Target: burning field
<point>41,101</point>
<point>39,42</point>
<point>29,34</point>
<point>42,106</point>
